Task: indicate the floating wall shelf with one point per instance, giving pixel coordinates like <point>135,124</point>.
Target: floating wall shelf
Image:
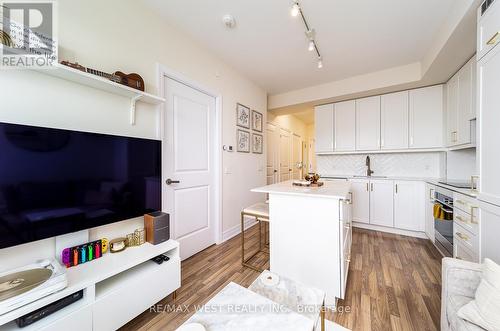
<point>100,83</point>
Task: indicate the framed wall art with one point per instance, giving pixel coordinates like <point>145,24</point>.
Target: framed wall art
<point>243,141</point>
<point>257,143</point>
<point>242,116</point>
<point>256,121</point>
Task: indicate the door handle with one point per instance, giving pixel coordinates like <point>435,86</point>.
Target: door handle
<point>170,181</point>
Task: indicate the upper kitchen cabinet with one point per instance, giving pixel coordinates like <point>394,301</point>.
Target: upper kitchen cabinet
<point>324,127</point>
<point>394,121</point>
<point>488,30</point>
<point>461,106</point>
<point>368,124</point>
<point>345,126</point>
<point>426,117</point>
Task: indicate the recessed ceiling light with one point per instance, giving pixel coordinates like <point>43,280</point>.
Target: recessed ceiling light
<point>229,21</point>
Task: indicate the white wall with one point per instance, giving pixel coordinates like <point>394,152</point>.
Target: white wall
<point>123,35</point>
<point>422,165</point>
<point>290,123</point>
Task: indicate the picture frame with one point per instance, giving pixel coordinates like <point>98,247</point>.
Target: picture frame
<point>243,116</point>
<point>242,141</point>
<point>257,143</point>
<point>257,121</point>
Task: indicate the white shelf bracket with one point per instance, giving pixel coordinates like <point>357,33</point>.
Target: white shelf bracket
<point>132,108</point>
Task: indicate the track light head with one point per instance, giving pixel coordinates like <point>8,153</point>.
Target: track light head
<point>311,46</point>
<point>320,63</point>
<point>295,9</point>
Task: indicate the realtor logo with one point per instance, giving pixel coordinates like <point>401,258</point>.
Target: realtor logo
<point>27,35</point>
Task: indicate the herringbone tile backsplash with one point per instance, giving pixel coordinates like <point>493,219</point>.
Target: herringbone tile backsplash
<point>394,164</point>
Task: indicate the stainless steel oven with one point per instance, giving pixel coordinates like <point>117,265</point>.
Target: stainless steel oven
<point>443,220</point>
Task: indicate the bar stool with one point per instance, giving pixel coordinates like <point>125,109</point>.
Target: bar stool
<point>261,213</point>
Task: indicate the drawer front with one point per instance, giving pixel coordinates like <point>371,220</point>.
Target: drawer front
<point>462,253</point>
<point>136,294</point>
<point>488,31</point>
<point>465,203</point>
<point>465,238</point>
<point>466,220</point>
<point>80,320</point>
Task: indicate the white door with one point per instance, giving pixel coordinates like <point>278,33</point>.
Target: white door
<point>382,202</point>
<point>296,157</point>
<point>345,126</point>
<point>368,124</point>
<point>285,159</point>
<point>452,111</point>
<point>323,126</point>
<point>360,200</point>
<point>406,206</point>
<point>490,228</point>
<point>489,119</point>
<point>429,210</point>
<point>394,121</point>
<point>189,166</point>
<point>426,117</point>
<point>273,145</point>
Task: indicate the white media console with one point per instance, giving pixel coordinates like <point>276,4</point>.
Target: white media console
<point>117,287</point>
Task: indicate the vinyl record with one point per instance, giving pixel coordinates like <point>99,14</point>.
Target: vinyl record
<point>21,282</point>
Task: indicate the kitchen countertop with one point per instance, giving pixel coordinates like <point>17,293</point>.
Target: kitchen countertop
<point>333,190</point>
<point>429,180</point>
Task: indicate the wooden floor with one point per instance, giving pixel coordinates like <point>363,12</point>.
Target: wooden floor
<point>394,284</point>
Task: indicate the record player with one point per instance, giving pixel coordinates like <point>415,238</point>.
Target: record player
<point>24,285</point>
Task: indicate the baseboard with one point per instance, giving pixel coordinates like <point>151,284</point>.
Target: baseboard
<point>408,233</point>
<point>236,230</point>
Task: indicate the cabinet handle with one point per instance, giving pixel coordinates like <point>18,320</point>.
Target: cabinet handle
<point>461,219</point>
<point>367,187</point>
<point>349,202</point>
<point>473,182</point>
<point>463,236</point>
<point>396,188</point>
<point>371,186</point>
<point>493,40</point>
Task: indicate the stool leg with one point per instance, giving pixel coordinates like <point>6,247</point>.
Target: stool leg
<point>323,309</point>
<point>242,239</point>
<point>260,233</point>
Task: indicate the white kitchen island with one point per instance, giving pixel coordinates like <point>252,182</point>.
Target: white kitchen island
<point>310,234</point>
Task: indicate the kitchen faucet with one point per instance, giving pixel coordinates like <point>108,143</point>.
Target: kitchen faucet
<point>369,171</point>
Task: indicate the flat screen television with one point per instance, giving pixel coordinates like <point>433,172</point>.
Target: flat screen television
<point>56,181</point>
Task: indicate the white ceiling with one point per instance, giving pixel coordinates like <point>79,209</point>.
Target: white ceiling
<point>269,46</point>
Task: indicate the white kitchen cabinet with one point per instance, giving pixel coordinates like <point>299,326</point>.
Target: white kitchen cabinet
<point>324,128</point>
<point>360,200</point>
<point>408,209</point>
<point>489,119</point>
<point>382,202</point>
<point>368,124</point>
<point>345,126</point>
<point>429,210</point>
<point>452,111</point>
<point>488,30</point>
<point>461,105</point>
<point>394,121</point>
<point>426,117</point>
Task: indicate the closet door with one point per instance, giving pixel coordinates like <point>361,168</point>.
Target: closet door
<point>285,170</point>
<point>345,126</point>
<point>273,145</point>
<point>368,124</point>
<point>394,121</point>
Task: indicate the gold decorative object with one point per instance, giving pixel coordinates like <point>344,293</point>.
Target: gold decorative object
<point>140,236</point>
<point>6,39</point>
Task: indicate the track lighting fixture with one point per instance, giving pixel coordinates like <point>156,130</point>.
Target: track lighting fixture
<point>310,33</point>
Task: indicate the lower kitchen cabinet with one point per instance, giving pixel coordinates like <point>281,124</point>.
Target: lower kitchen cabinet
<point>361,200</point>
<point>429,210</point>
<point>408,209</point>
<point>382,202</point>
<point>490,229</point>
